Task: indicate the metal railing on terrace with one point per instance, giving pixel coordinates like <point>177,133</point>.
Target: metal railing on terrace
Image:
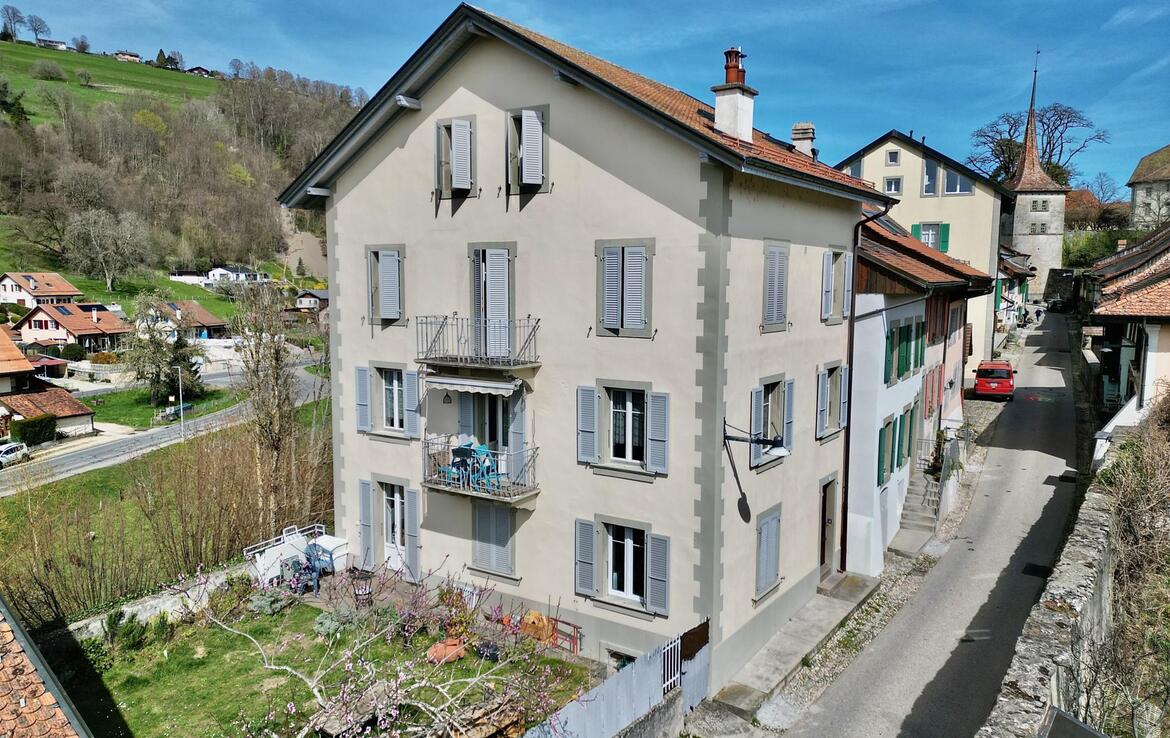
<point>478,471</point>
<point>460,341</point>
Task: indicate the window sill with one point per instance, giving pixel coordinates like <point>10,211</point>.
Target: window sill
<point>833,320</point>
<point>761,596</point>
<point>773,327</point>
<point>770,463</point>
<point>603,332</point>
<point>494,575</point>
<point>621,471</point>
<point>831,435</point>
<point>625,607</point>
<point>387,436</point>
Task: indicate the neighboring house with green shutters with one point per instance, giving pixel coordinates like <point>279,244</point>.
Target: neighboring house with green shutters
<point>945,204</point>
<point>552,282</point>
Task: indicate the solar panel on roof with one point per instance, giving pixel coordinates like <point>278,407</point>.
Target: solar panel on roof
<point>62,309</point>
<point>173,306</point>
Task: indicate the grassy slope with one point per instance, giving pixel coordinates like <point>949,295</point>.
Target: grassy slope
<point>133,408</point>
<point>112,79</point>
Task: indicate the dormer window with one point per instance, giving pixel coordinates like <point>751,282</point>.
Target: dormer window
<point>528,150</point>
<point>455,158</point>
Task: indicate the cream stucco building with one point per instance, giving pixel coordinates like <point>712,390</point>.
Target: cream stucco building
<point>553,281</point>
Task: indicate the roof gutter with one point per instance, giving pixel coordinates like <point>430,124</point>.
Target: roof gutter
<point>849,362</point>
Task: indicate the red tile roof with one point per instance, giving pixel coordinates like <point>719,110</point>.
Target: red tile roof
<point>49,401</point>
<point>194,314</point>
<point>887,231</point>
<point>1146,298</point>
<point>689,111</point>
<point>1030,175</point>
<point>12,359</point>
<point>48,284</point>
<point>32,703</point>
<point>79,319</point>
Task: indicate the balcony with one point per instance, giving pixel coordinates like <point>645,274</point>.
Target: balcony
<point>450,340</point>
<point>476,471</point>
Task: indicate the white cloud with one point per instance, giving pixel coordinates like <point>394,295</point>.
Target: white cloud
<point>1136,14</point>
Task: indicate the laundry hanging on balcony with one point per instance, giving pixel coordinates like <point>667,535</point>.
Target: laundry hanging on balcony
<point>473,386</point>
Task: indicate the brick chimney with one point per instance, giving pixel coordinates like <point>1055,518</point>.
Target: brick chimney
<point>734,100</point>
<point>803,136</point>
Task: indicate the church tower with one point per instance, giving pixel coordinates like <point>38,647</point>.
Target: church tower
<point>1038,225</point>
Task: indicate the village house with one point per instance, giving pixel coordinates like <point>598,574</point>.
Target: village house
<point>128,56</point>
<point>1150,190</point>
<point>559,286</point>
<point>233,273</point>
<point>23,395</point>
<point>36,288</point>
<point>48,43</point>
<point>908,359</point>
<point>188,317</point>
<point>199,71</point>
<point>93,326</point>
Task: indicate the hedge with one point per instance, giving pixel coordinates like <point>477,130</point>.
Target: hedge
<point>72,352</point>
<point>41,429</point>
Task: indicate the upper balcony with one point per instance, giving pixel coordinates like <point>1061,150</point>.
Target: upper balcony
<point>450,340</point>
<point>474,470</point>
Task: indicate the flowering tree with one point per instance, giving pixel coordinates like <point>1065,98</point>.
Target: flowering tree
<point>456,666</point>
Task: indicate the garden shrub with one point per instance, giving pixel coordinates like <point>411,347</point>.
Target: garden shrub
<point>268,602</point>
<point>227,599</point>
<point>327,625</point>
<point>47,70</point>
<point>72,352</point>
<point>97,653</point>
<point>456,617</point>
<point>41,429</point>
<point>162,628</point>
<point>17,311</point>
<point>131,634</point>
<point>104,357</point>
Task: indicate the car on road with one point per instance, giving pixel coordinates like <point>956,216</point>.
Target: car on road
<point>995,379</point>
<point>13,453</point>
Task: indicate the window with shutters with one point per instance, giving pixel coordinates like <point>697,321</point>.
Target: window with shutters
<point>626,561</point>
<point>832,400</point>
<point>386,284</point>
<point>775,315</point>
<point>767,551</point>
<point>627,429</point>
<point>771,417</point>
<point>393,406</point>
<point>527,147</point>
<point>493,546</point>
<point>929,234</point>
<point>623,429</point>
<point>624,278</point>
<point>455,148</point>
<point>836,285</point>
<point>393,400</point>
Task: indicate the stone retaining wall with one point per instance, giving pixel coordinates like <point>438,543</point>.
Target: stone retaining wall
<point>1074,610</point>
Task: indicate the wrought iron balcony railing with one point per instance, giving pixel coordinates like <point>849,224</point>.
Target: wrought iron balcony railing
<point>459,341</point>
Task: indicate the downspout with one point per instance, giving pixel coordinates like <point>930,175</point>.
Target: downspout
<point>852,383</point>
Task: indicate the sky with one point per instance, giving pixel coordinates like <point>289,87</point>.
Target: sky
<point>856,68</point>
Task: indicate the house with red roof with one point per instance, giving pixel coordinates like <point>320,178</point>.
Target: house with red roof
<point>36,288</point>
<point>92,325</point>
<point>24,395</point>
<point>629,304</point>
<point>910,353</point>
<point>1150,190</point>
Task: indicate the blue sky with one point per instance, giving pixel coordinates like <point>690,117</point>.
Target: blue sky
<point>855,67</point>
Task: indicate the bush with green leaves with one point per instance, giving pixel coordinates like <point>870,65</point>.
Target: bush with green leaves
<point>131,634</point>
<point>104,357</point>
<point>47,70</point>
<point>16,311</point>
<point>97,653</point>
<point>72,352</point>
<point>269,602</point>
<point>162,628</point>
<point>33,431</point>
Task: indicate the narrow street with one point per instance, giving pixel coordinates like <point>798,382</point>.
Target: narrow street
<point>936,669</point>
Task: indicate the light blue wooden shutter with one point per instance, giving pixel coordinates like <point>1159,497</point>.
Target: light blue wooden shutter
<point>775,287</point>
<point>362,391</point>
<point>756,425</point>
<point>847,301</point>
<point>365,555</point>
<point>496,270</point>
<point>502,539</point>
<point>585,566</point>
<point>478,321</point>
<point>658,574</point>
<point>587,424</point>
<point>774,544</point>
<point>461,154</point>
<point>761,555</point>
<point>413,522</point>
<point>789,414</point>
<point>410,400</point>
<point>844,411</point>
<point>658,433</point>
<point>531,148</point>
<point>389,285</point>
<point>634,288</point>
<point>822,403</point>
<point>767,551</point>
<point>517,431</point>
<point>611,288</point>
<point>481,533</point>
<point>826,284</point>
<point>466,413</point>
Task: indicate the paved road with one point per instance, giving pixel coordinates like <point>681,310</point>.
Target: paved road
<point>936,668</point>
<point>127,447</point>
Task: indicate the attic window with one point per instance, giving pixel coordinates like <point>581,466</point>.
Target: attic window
<point>455,158</point>
<point>893,157</point>
<point>528,150</point>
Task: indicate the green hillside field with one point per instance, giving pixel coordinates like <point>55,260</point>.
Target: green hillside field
<point>112,79</point>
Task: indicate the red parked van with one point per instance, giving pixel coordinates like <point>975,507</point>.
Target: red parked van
<point>995,379</point>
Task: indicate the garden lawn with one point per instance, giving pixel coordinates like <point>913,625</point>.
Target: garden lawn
<point>132,407</point>
<point>112,80</point>
<point>200,682</point>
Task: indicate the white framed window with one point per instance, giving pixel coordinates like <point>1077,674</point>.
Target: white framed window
<point>855,169</point>
<point>393,402</point>
<point>957,184</point>
<point>773,415</point>
<point>1033,229</point>
<point>1044,228</point>
<point>627,429</point>
<point>893,157</point>
<point>930,234</point>
<point>893,185</point>
<point>930,177</point>
<point>626,564</point>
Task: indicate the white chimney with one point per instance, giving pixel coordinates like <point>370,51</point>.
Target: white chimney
<point>734,100</point>
<point>32,282</point>
<point>803,136</point>
<point>178,315</point>
<point>93,314</point>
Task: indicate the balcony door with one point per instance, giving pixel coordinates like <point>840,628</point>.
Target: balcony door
<point>394,524</point>
<point>491,299</point>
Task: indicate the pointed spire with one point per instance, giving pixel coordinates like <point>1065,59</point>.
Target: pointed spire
<point>1030,175</point>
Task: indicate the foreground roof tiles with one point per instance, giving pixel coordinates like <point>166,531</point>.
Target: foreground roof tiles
<point>32,703</point>
<point>1146,298</point>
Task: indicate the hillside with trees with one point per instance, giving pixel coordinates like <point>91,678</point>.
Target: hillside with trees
<point>109,167</point>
